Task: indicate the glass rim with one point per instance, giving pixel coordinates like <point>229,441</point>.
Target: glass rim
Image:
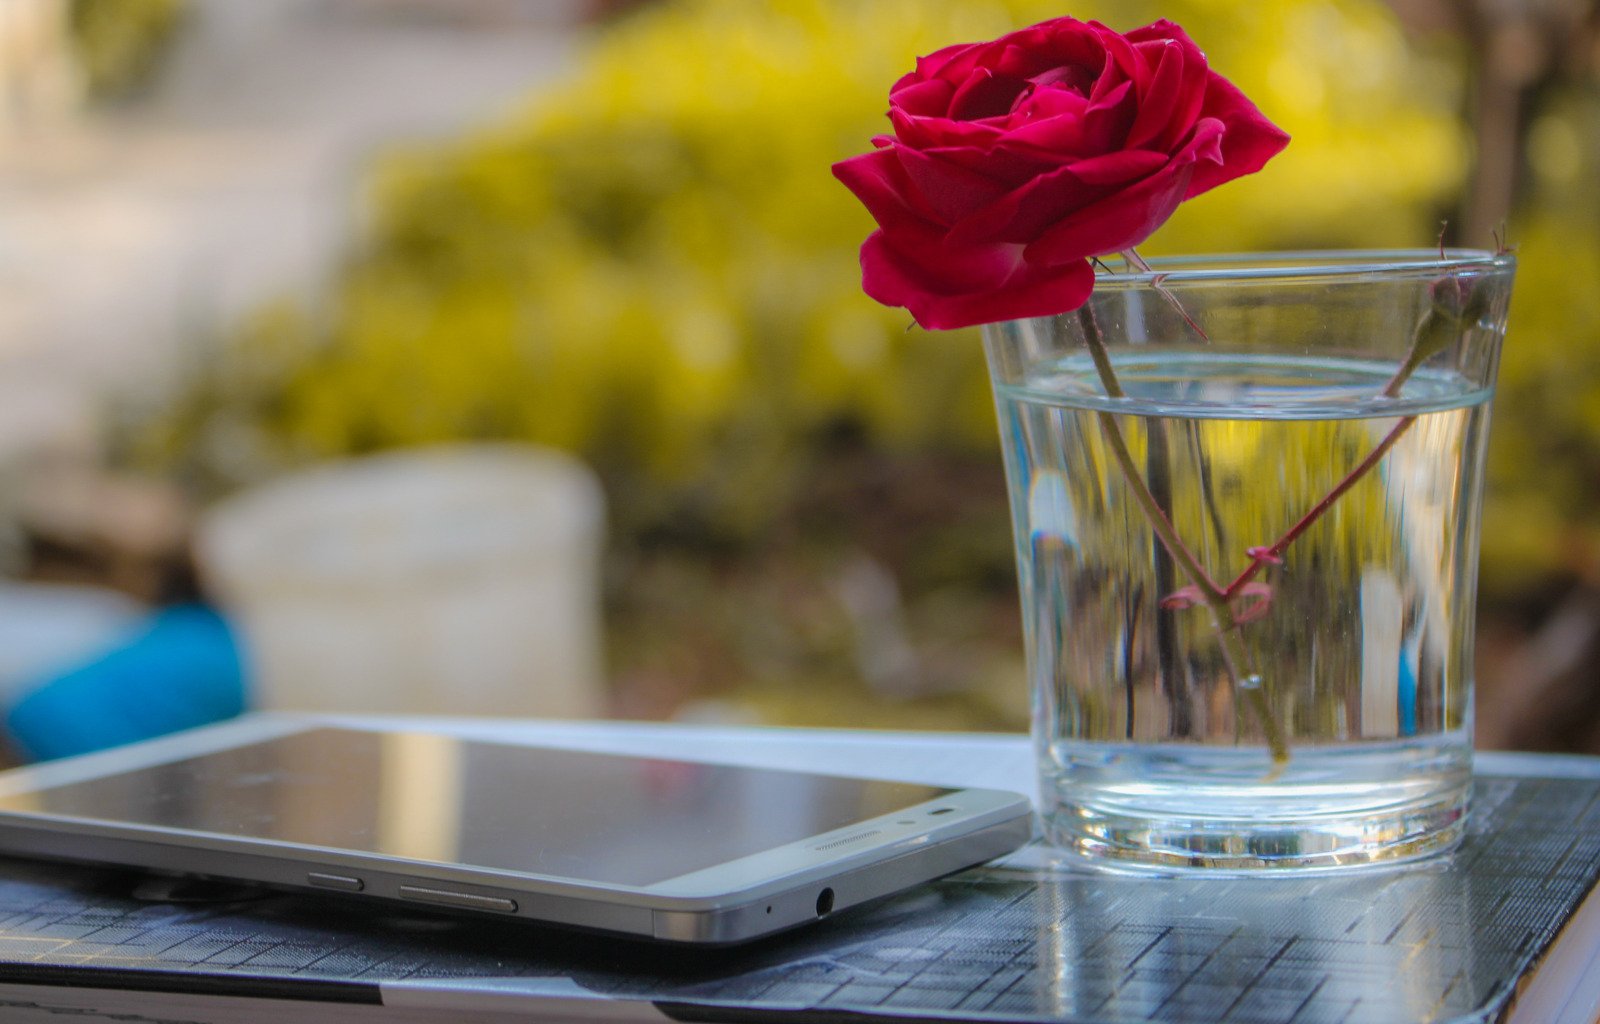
<point>1308,265</point>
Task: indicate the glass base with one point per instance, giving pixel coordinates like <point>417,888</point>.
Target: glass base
<point>1191,809</point>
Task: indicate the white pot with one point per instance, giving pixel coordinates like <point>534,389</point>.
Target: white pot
<point>456,580</point>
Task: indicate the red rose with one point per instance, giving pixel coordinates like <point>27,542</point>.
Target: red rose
<point>1014,161</point>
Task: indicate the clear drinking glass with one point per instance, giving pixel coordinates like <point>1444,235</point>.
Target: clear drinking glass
<point>1245,493</point>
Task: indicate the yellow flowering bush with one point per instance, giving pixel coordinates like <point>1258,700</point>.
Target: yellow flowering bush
<point>651,266</point>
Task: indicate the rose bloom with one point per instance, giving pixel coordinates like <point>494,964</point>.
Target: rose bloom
<point>1012,162</point>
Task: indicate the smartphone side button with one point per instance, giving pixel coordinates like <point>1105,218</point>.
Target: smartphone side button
<point>465,900</point>
<point>343,883</point>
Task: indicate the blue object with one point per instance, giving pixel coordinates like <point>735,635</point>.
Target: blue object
<point>183,670</point>
<point>1410,655</point>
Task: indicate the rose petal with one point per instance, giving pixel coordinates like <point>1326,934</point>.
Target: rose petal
<point>1012,168</point>
<point>1022,62</point>
<point>1160,99</point>
<point>1049,102</point>
<point>1051,139</point>
<point>1127,216</point>
<point>1036,292</point>
<point>1191,98</point>
<point>1121,222</point>
<point>985,94</point>
<point>1161,28</point>
<point>1118,168</point>
<point>1072,79</point>
<point>950,190</point>
<point>880,181</point>
<point>1249,140</point>
<point>1097,129</point>
<point>1191,91</point>
<point>1028,290</point>
<point>1019,53</point>
<point>930,98</point>
<point>956,58</point>
<point>1106,122</point>
<point>1077,44</point>
<point>1122,64</point>
<point>1024,214</point>
<point>1205,144</point>
<point>904,268</point>
<point>930,132</point>
<point>1014,160</point>
<point>924,254</point>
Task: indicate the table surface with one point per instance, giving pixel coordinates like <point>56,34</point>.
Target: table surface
<point>1029,938</point>
<point>937,758</point>
<point>1006,760</point>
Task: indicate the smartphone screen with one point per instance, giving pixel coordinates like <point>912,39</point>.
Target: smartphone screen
<point>566,814</point>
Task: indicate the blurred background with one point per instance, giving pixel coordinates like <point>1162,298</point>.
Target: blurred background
<point>509,356</point>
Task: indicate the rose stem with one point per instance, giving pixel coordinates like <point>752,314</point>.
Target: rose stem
<point>1227,629</point>
<point>1119,448</point>
<point>1158,478</point>
<point>1138,263</point>
<point>1221,602</point>
<point>1275,552</point>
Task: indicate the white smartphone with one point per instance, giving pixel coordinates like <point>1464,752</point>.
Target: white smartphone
<point>669,850</point>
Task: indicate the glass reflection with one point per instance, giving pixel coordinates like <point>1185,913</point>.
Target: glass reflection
<point>1396,945</point>
<point>569,814</point>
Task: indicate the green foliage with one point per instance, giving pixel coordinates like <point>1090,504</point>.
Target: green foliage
<point>119,42</point>
<point>1539,522</point>
<point>1540,525</point>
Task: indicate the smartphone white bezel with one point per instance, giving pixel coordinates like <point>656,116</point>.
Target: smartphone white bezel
<point>734,901</point>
